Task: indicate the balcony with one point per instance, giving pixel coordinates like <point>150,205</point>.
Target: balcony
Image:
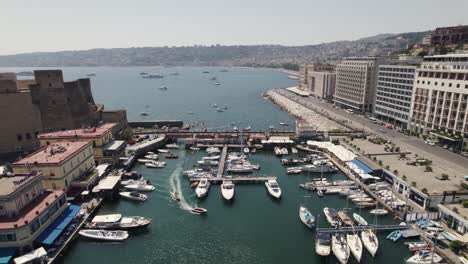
<point>87,179</point>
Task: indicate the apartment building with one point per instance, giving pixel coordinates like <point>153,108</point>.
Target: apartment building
<point>450,35</point>
<point>440,99</point>
<point>318,80</point>
<point>356,80</point>
<point>62,163</point>
<point>394,93</point>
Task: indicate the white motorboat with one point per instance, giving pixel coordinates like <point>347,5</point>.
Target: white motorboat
<point>294,170</point>
<point>155,164</point>
<point>213,150</point>
<point>239,168</point>
<point>370,241</point>
<point>163,150</point>
<point>379,212</point>
<point>104,235</point>
<point>318,168</point>
<point>358,195</point>
<point>284,151</point>
<point>278,151</point>
<point>273,188</point>
<point>128,182</point>
<point>144,160</point>
<point>283,124</point>
<point>248,128</point>
<point>306,217</point>
<point>246,150</point>
<point>294,150</point>
<point>332,216</point>
<point>172,146</point>
<point>424,257</point>
<point>362,199</point>
<point>140,187</point>
<point>206,162</point>
<point>323,244</point>
<point>254,150</point>
<point>355,245</point>
<point>195,148</point>
<point>359,219</point>
<point>152,157</point>
<point>175,196</point>
<point>199,211</point>
<point>202,188</point>
<point>135,196</point>
<point>340,248</point>
<point>117,221</point>
<point>38,256</point>
<point>227,190</point>
<point>211,157</point>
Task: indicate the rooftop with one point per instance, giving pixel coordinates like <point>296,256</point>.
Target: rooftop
<point>95,132</point>
<point>54,153</point>
<point>9,184</point>
<point>31,211</point>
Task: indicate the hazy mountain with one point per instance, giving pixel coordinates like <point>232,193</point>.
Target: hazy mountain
<point>253,55</point>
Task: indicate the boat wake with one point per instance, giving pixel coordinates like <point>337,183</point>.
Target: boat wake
<point>175,186</point>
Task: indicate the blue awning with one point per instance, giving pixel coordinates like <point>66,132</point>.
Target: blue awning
<point>362,166</point>
<point>54,230</point>
<point>6,254</point>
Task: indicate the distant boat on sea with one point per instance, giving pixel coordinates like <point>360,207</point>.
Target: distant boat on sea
<point>223,70</point>
<point>205,72</point>
<point>174,73</point>
<point>216,83</point>
<point>90,74</point>
<point>163,87</point>
<point>143,73</point>
<point>153,76</point>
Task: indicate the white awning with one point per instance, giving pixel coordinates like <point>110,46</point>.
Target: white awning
<point>28,258</point>
<point>110,218</point>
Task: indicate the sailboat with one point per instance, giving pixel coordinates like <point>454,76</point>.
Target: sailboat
<point>370,241</point>
<point>340,248</point>
<point>306,217</point>
<point>355,245</point>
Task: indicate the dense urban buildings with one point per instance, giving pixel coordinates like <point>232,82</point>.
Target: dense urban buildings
<point>356,80</point>
<point>394,92</point>
<point>440,98</point>
<point>45,104</point>
<point>450,35</point>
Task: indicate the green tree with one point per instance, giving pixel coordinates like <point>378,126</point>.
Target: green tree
<point>455,246</point>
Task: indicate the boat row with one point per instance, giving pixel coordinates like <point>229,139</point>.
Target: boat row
<point>227,189</point>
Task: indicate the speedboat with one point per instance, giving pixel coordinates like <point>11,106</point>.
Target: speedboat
<point>135,196</point>
<point>152,157</point>
<point>172,146</point>
<point>355,245</point>
<point>294,170</point>
<point>370,241</point>
<point>323,244</point>
<point>273,188</point>
<point>199,211</point>
<point>318,168</point>
<point>362,199</point>
<point>424,257</point>
<point>379,212</point>
<point>359,219</point>
<point>175,196</point>
<point>162,87</point>
<point>144,113</point>
<point>394,236</point>
<point>202,188</point>
<point>340,248</point>
<point>144,160</point>
<point>153,76</point>
<point>163,151</point>
<point>284,151</point>
<point>345,219</point>
<point>306,217</point>
<point>253,150</point>
<point>332,216</point>
<point>227,190</point>
<point>171,156</point>
<point>246,150</point>
<point>116,221</point>
<point>239,168</point>
<point>140,187</point>
<point>104,235</point>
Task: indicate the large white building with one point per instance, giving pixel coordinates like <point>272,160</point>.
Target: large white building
<point>356,79</point>
<point>440,99</point>
<point>318,80</point>
<point>394,93</point>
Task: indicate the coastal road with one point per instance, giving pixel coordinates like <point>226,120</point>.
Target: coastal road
<point>442,157</point>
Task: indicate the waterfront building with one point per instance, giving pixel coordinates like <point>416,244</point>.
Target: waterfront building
<point>440,99</point>
<point>106,149</point>
<point>62,163</point>
<point>27,211</point>
<point>450,35</point>
<point>356,80</point>
<point>44,104</point>
<point>318,80</point>
<point>394,93</point>
<point>454,216</point>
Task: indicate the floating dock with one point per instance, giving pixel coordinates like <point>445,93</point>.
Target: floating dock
<point>222,162</point>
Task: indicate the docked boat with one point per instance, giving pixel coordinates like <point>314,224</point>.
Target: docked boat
<point>370,241</point>
<point>194,185</point>
<point>202,188</point>
<point>294,150</point>
<point>239,168</point>
<point>284,151</point>
<point>116,221</point>
<point>278,151</point>
<point>213,150</point>
<point>254,150</point>
<point>424,257</point>
<point>172,146</point>
<point>163,151</point>
<point>359,219</point>
<point>331,216</point>
<point>246,150</point>
<point>283,124</point>
<point>195,148</point>
<point>394,236</point>
<point>307,186</point>
<point>306,217</point>
<point>155,164</point>
<point>104,235</point>
<point>152,157</point>
<point>294,170</point>
<point>211,157</point>
<point>175,196</point>
<point>366,204</point>
<point>344,217</point>
<point>379,212</point>
<point>248,128</point>
<point>323,244</point>
<point>340,248</point>
<point>273,188</point>
<point>271,127</point>
<point>134,196</point>
<point>355,245</point>
<point>144,160</point>
<point>171,156</point>
<point>319,168</point>
<point>131,181</point>
<point>362,199</point>
<point>140,187</point>
<point>199,211</point>
<point>206,162</point>
<point>227,190</point>
<point>319,193</point>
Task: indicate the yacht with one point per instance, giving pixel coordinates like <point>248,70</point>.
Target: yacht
<point>370,241</point>
<point>278,151</point>
<point>155,164</point>
<point>152,157</point>
<point>340,248</point>
<point>319,168</point>
<point>323,244</point>
<point>135,196</point>
<point>294,170</point>
<point>239,168</point>
<point>206,162</point>
<point>172,146</point>
<point>355,245</point>
<point>424,257</point>
<point>306,217</point>
<point>117,221</point>
<point>104,235</point>
<point>273,188</point>
<point>227,190</point>
<point>294,150</point>
<point>140,187</point>
<point>202,188</point>
<point>332,216</point>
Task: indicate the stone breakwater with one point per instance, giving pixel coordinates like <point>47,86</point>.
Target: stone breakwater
<point>310,117</point>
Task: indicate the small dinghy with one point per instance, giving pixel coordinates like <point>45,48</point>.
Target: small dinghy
<point>306,217</point>
<point>175,196</point>
<point>394,236</point>
<point>199,211</point>
<point>379,212</point>
<point>104,235</point>
<point>135,196</point>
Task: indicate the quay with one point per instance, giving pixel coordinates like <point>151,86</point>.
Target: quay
<point>237,179</point>
<point>222,162</point>
<point>351,229</point>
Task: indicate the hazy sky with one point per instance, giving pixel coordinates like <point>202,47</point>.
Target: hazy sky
<point>52,25</point>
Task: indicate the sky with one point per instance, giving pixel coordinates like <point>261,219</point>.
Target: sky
<point>55,25</point>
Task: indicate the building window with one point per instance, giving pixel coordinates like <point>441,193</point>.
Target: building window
<point>44,218</point>
<point>450,84</point>
<point>458,85</point>
<point>28,136</point>
<point>19,137</point>
<point>53,209</point>
<point>8,237</point>
<point>34,226</point>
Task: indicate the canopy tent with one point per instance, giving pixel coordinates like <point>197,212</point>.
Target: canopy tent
<point>28,258</point>
<point>6,254</point>
<point>54,230</point>
<point>363,167</point>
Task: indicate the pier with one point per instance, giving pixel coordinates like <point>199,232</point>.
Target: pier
<point>222,162</point>
<point>237,179</point>
<point>351,229</point>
